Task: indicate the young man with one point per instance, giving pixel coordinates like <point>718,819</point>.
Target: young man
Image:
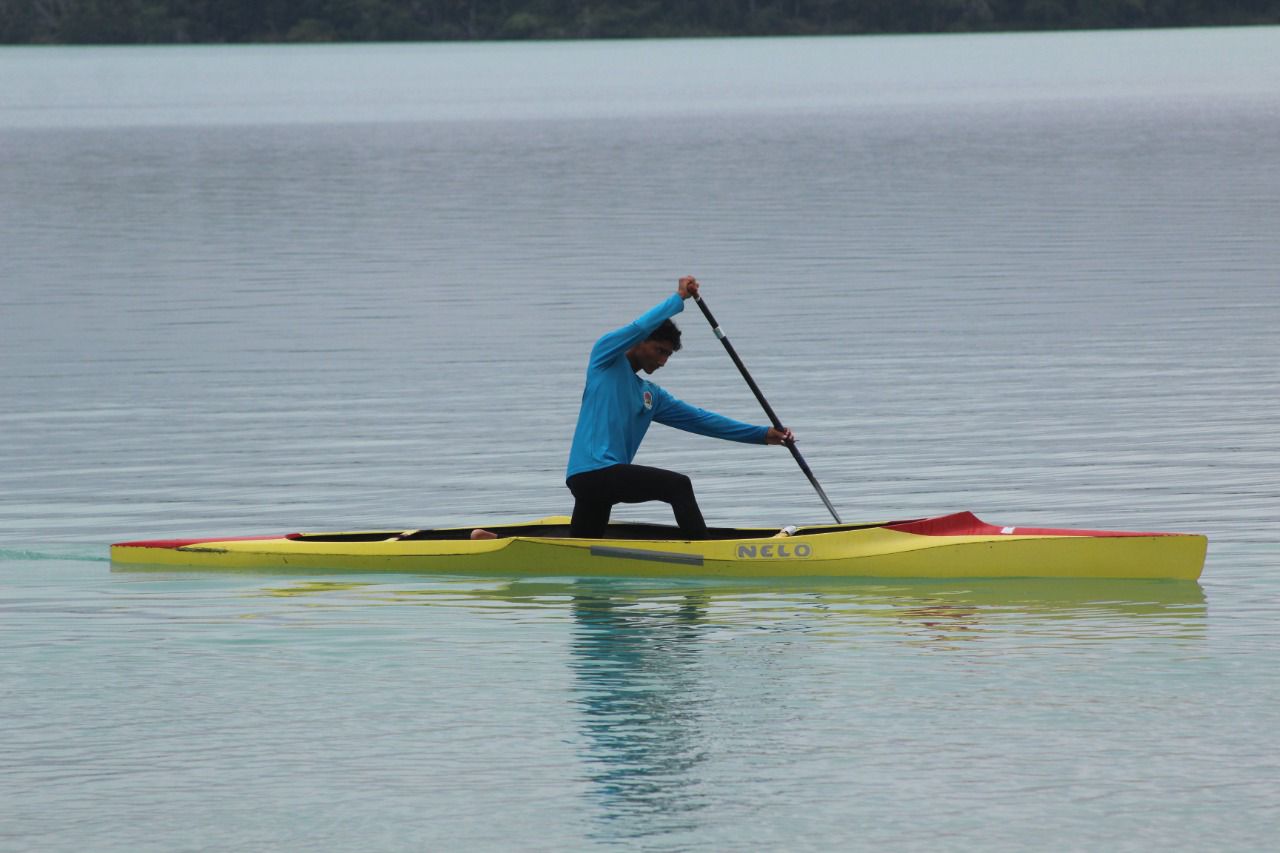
<point>617,408</point>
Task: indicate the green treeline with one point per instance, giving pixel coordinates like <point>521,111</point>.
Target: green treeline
<point>193,21</point>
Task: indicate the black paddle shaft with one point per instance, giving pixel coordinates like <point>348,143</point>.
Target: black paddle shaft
<point>768,410</point>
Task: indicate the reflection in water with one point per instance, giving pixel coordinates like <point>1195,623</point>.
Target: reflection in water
<point>637,666</point>
<point>633,599</point>
<point>958,615</point>
<point>657,623</point>
<point>653,709</point>
<point>645,693</point>
<point>631,622</point>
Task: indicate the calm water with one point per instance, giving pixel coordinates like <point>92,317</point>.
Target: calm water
<point>280,288</point>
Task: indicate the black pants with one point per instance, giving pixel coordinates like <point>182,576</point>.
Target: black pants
<point>595,493</point>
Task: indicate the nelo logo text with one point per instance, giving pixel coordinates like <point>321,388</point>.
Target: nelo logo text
<point>772,551</point>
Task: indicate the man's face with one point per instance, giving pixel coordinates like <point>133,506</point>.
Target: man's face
<point>650,355</point>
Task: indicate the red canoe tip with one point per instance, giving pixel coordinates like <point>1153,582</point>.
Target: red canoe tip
<point>182,543</point>
<point>968,524</point>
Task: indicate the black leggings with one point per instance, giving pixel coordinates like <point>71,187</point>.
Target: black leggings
<point>595,493</point>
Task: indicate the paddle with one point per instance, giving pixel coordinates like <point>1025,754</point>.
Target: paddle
<point>768,410</point>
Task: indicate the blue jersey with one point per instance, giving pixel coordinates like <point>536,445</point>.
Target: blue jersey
<point>618,405</point>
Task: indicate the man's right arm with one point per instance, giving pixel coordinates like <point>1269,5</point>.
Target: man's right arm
<point>617,342</point>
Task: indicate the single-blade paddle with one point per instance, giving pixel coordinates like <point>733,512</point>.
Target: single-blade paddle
<point>768,410</point>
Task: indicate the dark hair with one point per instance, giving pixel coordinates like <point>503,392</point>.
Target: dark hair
<point>668,332</point>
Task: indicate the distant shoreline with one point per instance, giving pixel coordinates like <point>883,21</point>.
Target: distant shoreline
<point>132,22</point>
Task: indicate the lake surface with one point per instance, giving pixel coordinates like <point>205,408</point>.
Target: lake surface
<point>265,289</point>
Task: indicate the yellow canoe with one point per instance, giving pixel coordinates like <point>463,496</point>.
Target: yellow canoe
<point>950,546</point>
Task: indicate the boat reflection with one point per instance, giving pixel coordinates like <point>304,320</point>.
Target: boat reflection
<point>925,602</point>
<point>647,690</point>
<point>946,610</point>
<point>658,666</point>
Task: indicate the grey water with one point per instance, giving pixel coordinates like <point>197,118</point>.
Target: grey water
<point>265,289</point>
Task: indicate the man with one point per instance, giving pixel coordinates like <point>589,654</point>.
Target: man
<point>617,408</point>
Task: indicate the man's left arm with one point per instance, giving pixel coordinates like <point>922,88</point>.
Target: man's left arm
<point>674,412</point>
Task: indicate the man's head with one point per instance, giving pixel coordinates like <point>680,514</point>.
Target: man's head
<point>668,332</point>
<point>653,352</point>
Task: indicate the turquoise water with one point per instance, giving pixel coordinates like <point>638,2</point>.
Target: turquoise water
<point>175,711</point>
<point>1033,276</point>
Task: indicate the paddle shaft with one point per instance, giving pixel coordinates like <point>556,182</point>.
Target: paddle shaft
<point>768,410</point>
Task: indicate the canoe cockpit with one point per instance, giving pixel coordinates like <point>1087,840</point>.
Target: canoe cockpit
<point>632,531</point>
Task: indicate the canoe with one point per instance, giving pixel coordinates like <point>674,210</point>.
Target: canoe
<point>959,545</point>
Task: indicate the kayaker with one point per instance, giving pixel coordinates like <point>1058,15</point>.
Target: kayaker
<point>617,408</point>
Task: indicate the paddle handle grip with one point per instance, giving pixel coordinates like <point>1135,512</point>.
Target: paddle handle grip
<point>764,404</point>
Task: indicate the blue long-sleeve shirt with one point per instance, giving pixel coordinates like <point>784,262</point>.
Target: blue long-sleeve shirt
<point>618,405</point>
